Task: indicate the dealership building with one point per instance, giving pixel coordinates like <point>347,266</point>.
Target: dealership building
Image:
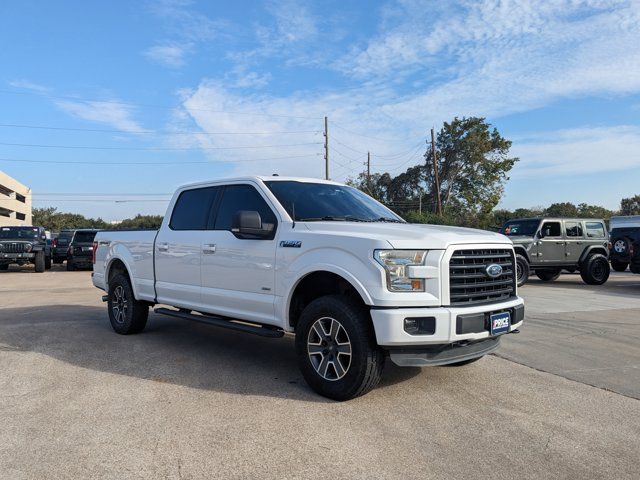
<point>15,202</point>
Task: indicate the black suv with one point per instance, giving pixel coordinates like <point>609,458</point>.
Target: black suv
<point>80,251</point>
<point>24,245</point>
<point>546,246</point>
<point>61,246</point>
<point>624,249</point>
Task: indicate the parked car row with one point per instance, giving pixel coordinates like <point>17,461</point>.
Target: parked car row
<point>34,245</point>
<point>625,243</point>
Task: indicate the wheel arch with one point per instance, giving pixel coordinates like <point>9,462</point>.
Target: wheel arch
<point>118,266</point>
<point>591,250</point>
<point>320,282</point>
<point>519,250</point>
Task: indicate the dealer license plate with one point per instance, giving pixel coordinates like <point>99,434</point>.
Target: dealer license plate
<point>500,323</point>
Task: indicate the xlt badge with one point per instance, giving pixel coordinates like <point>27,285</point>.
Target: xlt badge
<point>291,243</point>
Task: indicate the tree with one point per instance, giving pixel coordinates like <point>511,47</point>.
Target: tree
<point>141,222</point>
<point>473,162</point>
<point>630,206</point>
<point>564,209</point>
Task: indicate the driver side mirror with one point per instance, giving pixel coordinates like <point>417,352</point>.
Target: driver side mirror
<point>541,234</point>
<point>248,224</point>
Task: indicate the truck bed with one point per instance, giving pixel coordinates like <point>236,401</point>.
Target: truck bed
<point>135,248</point>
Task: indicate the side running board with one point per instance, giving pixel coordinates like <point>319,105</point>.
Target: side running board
<point>263,331</point>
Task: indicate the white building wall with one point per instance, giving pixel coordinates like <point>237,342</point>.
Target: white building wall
<point>15,202</point>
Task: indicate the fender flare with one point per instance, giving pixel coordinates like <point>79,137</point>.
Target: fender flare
<point>107,270</point>
<point>590,249</point>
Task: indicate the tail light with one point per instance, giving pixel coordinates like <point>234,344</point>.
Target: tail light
<point>93,252</point>
<point>610,246</point>
<point>55,242</point>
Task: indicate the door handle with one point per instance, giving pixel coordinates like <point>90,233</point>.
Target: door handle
<point>560,243</point>
<point>163,247</point>
<point>209,248</point>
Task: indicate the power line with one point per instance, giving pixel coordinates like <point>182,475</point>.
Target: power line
<point>89,147</point>
<point>186,162</point>
<point>157,132</point>
<point>168,107</point>
<point>365,136</point>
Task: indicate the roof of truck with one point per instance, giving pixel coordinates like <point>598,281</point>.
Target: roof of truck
<point>260,178</point>
<point>572,219</point>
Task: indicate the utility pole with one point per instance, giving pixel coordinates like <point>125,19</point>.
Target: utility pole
<point>435,172</point>
<point>369,171</point>
<point>326,148</point>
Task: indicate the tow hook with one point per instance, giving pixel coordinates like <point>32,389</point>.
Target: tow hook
<point>515,331</point>
<point>105,298</point>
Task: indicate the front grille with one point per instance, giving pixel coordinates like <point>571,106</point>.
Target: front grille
<point>8,247</point>
<point>468,279</point>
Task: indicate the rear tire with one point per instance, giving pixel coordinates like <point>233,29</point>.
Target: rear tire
<point>548,275</point>
<point>595,270</point>
<point>70,266</point>
<point>4,267</point>
<point>126,314</point>
<point>40,262</point>
<point>619,266</point>
<point>336,348</point>
<point>522,270</point>
<point>47,263</point>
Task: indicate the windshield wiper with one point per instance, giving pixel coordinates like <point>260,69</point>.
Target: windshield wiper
<point>388,219</point>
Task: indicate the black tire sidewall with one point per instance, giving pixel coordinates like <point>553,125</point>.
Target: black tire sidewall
<point>587,271</point>
<point>523,264</point>
<point>548,275</point>
<point>619,266</point>
<point>136,314</point>
<point>363,347</point>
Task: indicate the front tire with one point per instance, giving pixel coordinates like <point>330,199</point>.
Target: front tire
<point>47,263</point>
<point>595,270</point>
<point>126,314</point>
<point>40,262</point>
<point>522,270</point>
<point>336,348</point>
<point>70,266</point>
<point>619,266</point>
<point>548,275</point>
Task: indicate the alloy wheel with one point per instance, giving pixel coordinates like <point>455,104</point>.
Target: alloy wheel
<point>119,304</point>
<point>329,348</point>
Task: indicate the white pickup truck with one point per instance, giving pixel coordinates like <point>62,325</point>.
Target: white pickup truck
<point>353,281</point>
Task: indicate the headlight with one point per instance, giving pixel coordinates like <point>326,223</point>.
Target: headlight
<point>28,247</point>
<point>395,262</point>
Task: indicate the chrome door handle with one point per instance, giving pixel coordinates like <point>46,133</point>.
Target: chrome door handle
<point>209,248</point>
<point>163,247</point>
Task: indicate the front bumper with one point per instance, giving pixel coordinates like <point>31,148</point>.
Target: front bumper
<point>452,324</point>
<point>16,256</point>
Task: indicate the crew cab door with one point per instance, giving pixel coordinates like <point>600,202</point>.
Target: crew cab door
<point>178,248</point>
<point>551,243</point>
<point>575,243</point>
<point>238,274</point>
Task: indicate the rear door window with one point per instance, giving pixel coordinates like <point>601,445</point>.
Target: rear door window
<point>193,208</point>
<point>595,230</point>
<point>574,229</point>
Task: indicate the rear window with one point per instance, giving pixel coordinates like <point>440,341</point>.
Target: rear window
<point>595,230</point>
<point>192,209</point>
<point>84,237</point>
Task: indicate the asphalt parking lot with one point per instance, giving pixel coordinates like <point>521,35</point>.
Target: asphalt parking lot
<point>183,400</point>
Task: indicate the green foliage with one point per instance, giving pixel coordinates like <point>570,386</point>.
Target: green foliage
<point>473,162</point>
<point>630,206</point>
<point>55,221</point>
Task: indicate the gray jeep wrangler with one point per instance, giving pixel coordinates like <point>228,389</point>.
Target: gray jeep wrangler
<point>546,246</point>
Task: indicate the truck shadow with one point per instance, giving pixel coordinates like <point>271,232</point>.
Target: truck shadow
<point>169,351</point>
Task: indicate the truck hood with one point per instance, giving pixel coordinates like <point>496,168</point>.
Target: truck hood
<point>409,235</point>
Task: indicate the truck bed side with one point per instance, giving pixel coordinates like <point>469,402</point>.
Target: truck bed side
<point>135,250</point>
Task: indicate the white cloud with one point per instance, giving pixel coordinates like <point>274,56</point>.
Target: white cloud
<point>29,85</point>
<point>169,54</point>
<point>113,113</point>
<point>293,19</point>
<point>578,151</point>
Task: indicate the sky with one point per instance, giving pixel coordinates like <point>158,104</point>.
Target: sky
<point>106,107</point>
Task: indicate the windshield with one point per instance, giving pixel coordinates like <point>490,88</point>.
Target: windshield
<point>19,232</point>
<point>84,237</point>
<point>527,228</point>
<point>327,202</point>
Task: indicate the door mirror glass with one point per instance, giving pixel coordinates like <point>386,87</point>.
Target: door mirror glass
<point>541,234</point>
<point>248,224</point>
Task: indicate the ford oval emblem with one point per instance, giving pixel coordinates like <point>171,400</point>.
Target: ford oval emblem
<point>494,270</point>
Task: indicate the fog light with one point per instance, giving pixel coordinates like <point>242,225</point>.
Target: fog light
<point>420,325</point>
